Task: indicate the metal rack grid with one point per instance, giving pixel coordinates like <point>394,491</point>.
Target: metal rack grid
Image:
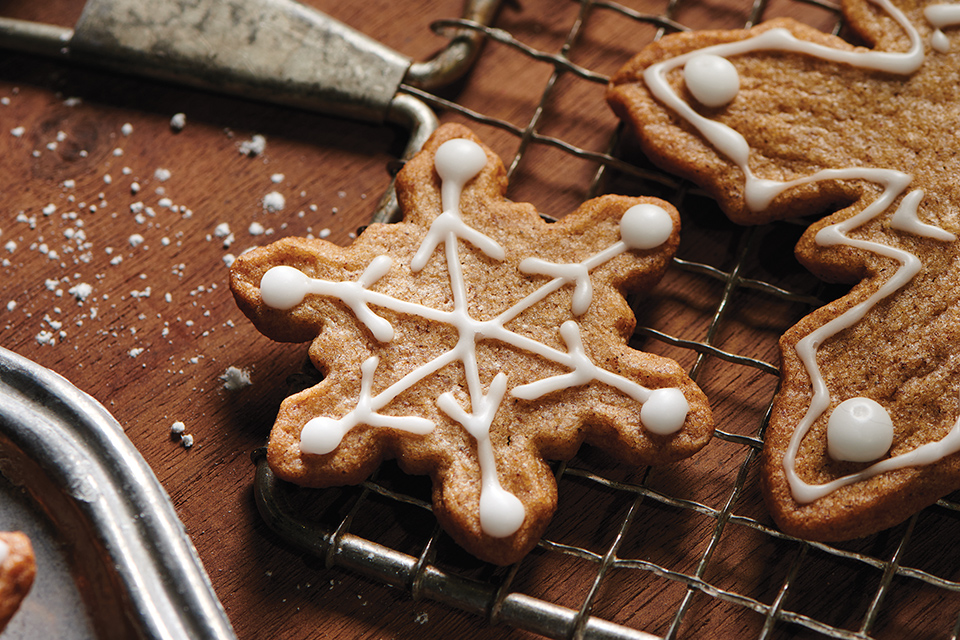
<point>737,576</point>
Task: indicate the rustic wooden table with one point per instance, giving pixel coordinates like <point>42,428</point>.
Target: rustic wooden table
<point>98,189</point>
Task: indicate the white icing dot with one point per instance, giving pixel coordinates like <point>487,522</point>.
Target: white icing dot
<point>859,430</point>
<point>713,80</point>
<point>645,226</point>
<point>459,160</point>
<point>320,436</point>
<point>283,287</point>
<point>665,411</point>
<point>501,512</point>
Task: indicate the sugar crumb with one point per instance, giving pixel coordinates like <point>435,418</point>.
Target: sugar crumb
<point>178,122</point>
<point>254,146</point>
<point>274,201</point>
<point>235,379</point>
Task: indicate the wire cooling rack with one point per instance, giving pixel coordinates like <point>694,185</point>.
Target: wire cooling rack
<point>686,551</point>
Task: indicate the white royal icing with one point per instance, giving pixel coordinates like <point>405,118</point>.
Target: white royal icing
<point>759,193</point>
<point>458,161</point>
<point>859,430</point>
<point>713,80</point>
<point>940,16</point>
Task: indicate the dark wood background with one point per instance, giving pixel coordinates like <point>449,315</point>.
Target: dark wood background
<point>160,328</point>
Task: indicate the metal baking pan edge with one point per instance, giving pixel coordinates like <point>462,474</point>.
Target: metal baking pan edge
<point>134,564</point>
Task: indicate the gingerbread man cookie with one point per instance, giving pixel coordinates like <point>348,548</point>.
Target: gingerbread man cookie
<point>782,120</point>
<point>472,342</point>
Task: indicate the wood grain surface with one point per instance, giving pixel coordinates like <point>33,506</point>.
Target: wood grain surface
<point>159,327</point>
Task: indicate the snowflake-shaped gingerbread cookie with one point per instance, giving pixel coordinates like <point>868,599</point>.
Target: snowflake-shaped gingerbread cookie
<point>472,342</point>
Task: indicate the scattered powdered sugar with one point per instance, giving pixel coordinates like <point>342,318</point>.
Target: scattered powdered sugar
<point>235,379</point>
<point>57,229</point>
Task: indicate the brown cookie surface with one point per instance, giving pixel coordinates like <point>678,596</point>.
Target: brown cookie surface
<point>780,121</point>
<point>472,342</point>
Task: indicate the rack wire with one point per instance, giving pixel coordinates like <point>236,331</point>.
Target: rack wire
<point>677,553</point>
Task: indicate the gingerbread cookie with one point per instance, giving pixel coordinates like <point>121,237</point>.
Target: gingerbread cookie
<point>782,120</point>
<point>473,341</point>
<point>17,570</point>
